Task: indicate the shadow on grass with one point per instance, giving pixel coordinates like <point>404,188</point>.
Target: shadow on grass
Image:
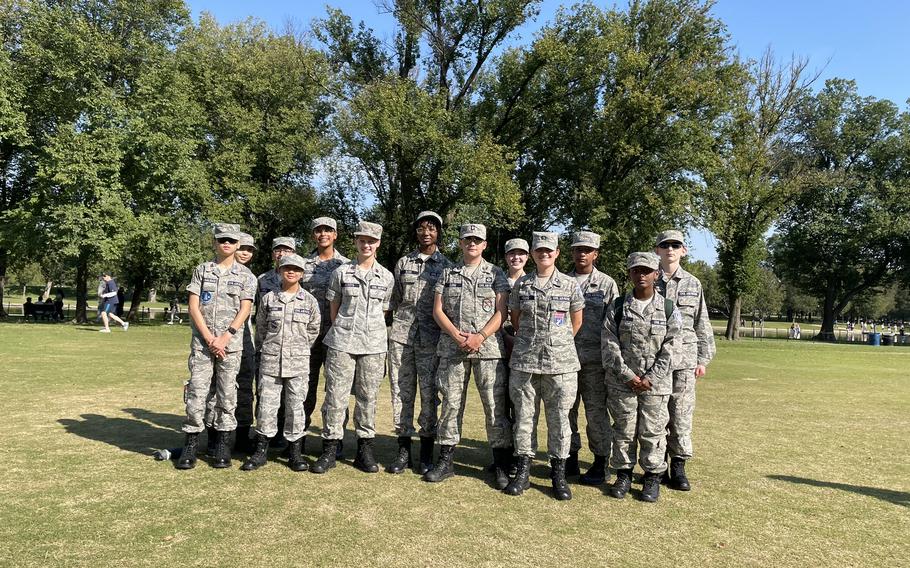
<point>125,433</point>
<point>901,498</point>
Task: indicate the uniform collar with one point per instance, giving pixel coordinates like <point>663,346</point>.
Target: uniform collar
<point>435,257</point>
<point>484,266</point>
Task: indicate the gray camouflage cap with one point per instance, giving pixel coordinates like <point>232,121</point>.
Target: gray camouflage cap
<point>586,239</point>
<point>671,235</point>
<point>367,229</point>
<point>246,240</point>
<point>520,244</point>
<point>647,259</point>
<point>291,260</point>
<point>284,242</point>
<point>429,215</point>
<point>227,230</point>
<point>473,230</point>
<point>544,239</point>
<point>323,222</point>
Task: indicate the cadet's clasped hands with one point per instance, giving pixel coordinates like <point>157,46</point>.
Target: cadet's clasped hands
<point>469,342</point>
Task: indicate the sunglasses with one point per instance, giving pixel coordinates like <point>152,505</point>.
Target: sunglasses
<point>673,246</point>
<point>223,240</point>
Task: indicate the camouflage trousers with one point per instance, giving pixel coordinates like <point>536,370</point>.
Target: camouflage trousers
<point>639,426</point>
<point>317,361</point>
<point>681,408</point>
<point>592,390</point>
<point>244,412</point>
<point>452,378</point>
<point>557,392</point>
<point>204,369</point>
<point>270,398</point>
<point>347,374</point>
<point>410,366</point>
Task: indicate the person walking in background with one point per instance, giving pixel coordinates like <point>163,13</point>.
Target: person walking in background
<point>111,301</point>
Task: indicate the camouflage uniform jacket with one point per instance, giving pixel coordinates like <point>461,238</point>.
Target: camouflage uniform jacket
<point>412,298</point>
<point>315,280</point>
<point>599,291</point>
<point>695,345</point>
<point>219,299</point>
<point>543,341</point>
<point>359,328</point>
<point>469,302</point>
<point>642,344</point>
<point>286,327</point>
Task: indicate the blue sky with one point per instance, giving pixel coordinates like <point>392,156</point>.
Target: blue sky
<point>865,41</point>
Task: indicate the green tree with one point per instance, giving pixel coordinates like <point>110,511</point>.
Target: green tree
<point>407,121</point>
<point>612,116</point>
<point>849,231</point>
<point>755,176</point>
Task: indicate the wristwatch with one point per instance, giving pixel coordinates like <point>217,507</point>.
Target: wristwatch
<point>232,331</point>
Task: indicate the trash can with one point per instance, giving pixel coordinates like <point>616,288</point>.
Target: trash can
<point>875,339</point>
<point>888,339</point>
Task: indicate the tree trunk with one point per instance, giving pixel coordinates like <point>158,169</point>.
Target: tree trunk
<point>736,305</point>
<point>136,302</point>
<point>47,290</point>
<point>826,333</point>
<point>81,287</point>
<point>3,255</point>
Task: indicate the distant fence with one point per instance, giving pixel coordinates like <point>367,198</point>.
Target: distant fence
<point>841,335</point>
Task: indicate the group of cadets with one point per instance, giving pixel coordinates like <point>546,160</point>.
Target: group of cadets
<point>525,338</point>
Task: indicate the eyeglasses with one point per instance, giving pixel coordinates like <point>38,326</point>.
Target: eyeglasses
<point>223,240</point>
<point>673,246</point>
<point>426,231</point>
<point>473,240</point>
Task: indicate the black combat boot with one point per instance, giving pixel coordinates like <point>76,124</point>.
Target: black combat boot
<point>295,456</point>
<point>339,449</point>
<point>260,454</point>
<point>426,455</point>
<point>622,484</point>
<point>572,464</point>
<point>558,476</point>
<point>242,442</point>
<point>501,459</point>
<point>513,461</point>
<point>522,479</point>
<point>678,479</point>
<point>443,468</point>
<point>403,459</point>
<point>597,474</point>
<point>650,489</point>
<point>188,454</point>
<point>211,441</point>
<point>365,461</point>
<point>326,460</point>
<point>222,451</point>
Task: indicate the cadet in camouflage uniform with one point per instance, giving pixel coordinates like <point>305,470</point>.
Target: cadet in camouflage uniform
<point>546,311</point>
<point>638,336</point>
<point>412,344</point>
<point>469,305</point>
<point>320,264</point>
<point>599,290</point>
<point>271,282</point>
<point>221,295</point>
<point>695,349</point>
<point>359,294</point>
<point>287,323</point>
<point>245,377</point>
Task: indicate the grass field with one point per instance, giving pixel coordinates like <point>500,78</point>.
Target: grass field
<point>803,459</point>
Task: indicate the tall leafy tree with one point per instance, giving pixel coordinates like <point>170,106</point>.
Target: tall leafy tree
<point>850,230</point>
<point>755,176</point>
<point>406,112</point>
<point>612,114</point>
